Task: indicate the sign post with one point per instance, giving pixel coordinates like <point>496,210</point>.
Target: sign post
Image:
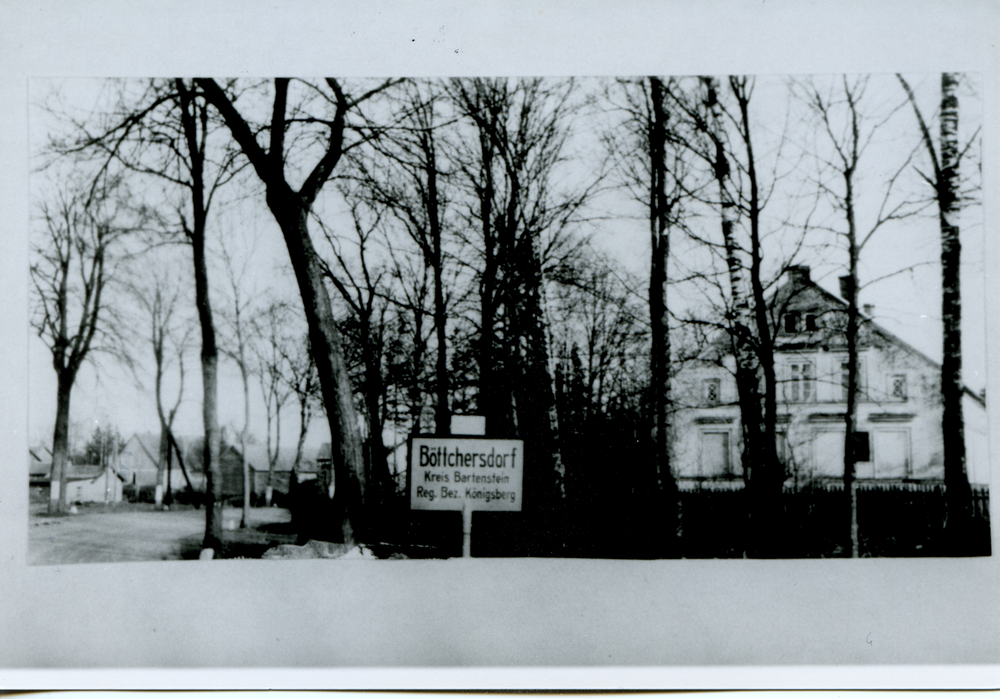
<point>466,531</point>
<point>467,474</point>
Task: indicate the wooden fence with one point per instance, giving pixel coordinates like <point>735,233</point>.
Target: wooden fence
<point>899,519</point>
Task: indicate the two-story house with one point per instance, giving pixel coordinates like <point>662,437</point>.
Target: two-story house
<point>899,405</point>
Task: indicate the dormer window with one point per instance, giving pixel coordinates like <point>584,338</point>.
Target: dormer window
<point>791,322</point>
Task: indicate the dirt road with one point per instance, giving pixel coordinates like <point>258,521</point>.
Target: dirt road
<point>106,535</point>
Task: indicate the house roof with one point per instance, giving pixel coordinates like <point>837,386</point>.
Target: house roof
<point>148,442</point>
<point>38,468</point>
<point>800,293</point>
<point>800,284</point>
<point>41,470</point>
<point>79,472</point>
<point>257,458</point>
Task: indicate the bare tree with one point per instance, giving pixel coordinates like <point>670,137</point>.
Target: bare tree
<point>303,381</point>
<point>411,185</point>
<point>240,321</point>
<point>759,456</point>
<point>165,132</point>
<point>73,261</point>
<point>849,133</point>
<point>413,282</point>
<point>512,162</point>
<point>272,350</point>
<point>291,208</point>
<point>721,136</point>
<point>159,296</point>
<point>600,339</point>
<point>944,181</point>
<point>652,168</point>
<point>361,287</point>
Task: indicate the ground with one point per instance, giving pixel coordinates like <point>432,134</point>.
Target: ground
<point>139,532</point>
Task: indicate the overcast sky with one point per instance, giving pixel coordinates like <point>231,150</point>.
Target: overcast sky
<point>907,304</point>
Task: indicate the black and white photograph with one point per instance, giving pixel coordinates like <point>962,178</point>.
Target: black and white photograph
<point>681,317</point>
<point>398,367</point>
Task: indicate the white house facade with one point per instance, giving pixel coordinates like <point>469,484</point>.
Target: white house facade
<point>899,435</point>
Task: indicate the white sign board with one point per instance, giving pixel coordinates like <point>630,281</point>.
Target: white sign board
<point>455,473</point>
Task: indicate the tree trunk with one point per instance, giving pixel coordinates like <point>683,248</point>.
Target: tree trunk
<point>664,487</point>
<point>850,413</point>
<point>377,477</point>
<point>487,400</point>
<point>209,352</point>
<point>187,478</point>
<point>958,494</point>
<point>747,383</point>
<point>742,339</point>
<point>60,446</point>
<point>164,450</point>
<point>210,397</point>
<point>161,464</point>
<point>168,498</point>
<point>442,413</point>
<point>245,518</point>
<point>210,454</point>
<point>768,476</point>
<point>303,430</point>
<point>414,394</point>
<point>536,407</point>
<point>348,461</point>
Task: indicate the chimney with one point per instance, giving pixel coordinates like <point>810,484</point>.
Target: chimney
<point>846,284</point>
<point>798,275</point>
<point>869,310</point>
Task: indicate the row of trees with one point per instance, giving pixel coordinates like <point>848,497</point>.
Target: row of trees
<point>437,234</point>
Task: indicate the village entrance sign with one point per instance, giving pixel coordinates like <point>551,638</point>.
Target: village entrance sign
<point>467,474</point>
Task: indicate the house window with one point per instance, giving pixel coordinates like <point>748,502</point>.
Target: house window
<point>783,449</point>
<point>862,450</point>
<point>810,323</point>
<point>898,387</point>
<point>845,380</point>
<point>710,391</point>
<point>801,383</point>
<point>714,455</point>
<point>791,322</point>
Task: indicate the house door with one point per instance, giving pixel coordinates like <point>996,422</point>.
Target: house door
<point>714,454</point>
<point>892,454</point>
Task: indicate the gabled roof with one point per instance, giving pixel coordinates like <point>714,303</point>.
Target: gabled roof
<point>80,472</point>
<point>40,453</point>
<point>257,460</point>
<point>74,472</point>
<point>149,443</point>
<point>800,282</point>
<point>38,468</point>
